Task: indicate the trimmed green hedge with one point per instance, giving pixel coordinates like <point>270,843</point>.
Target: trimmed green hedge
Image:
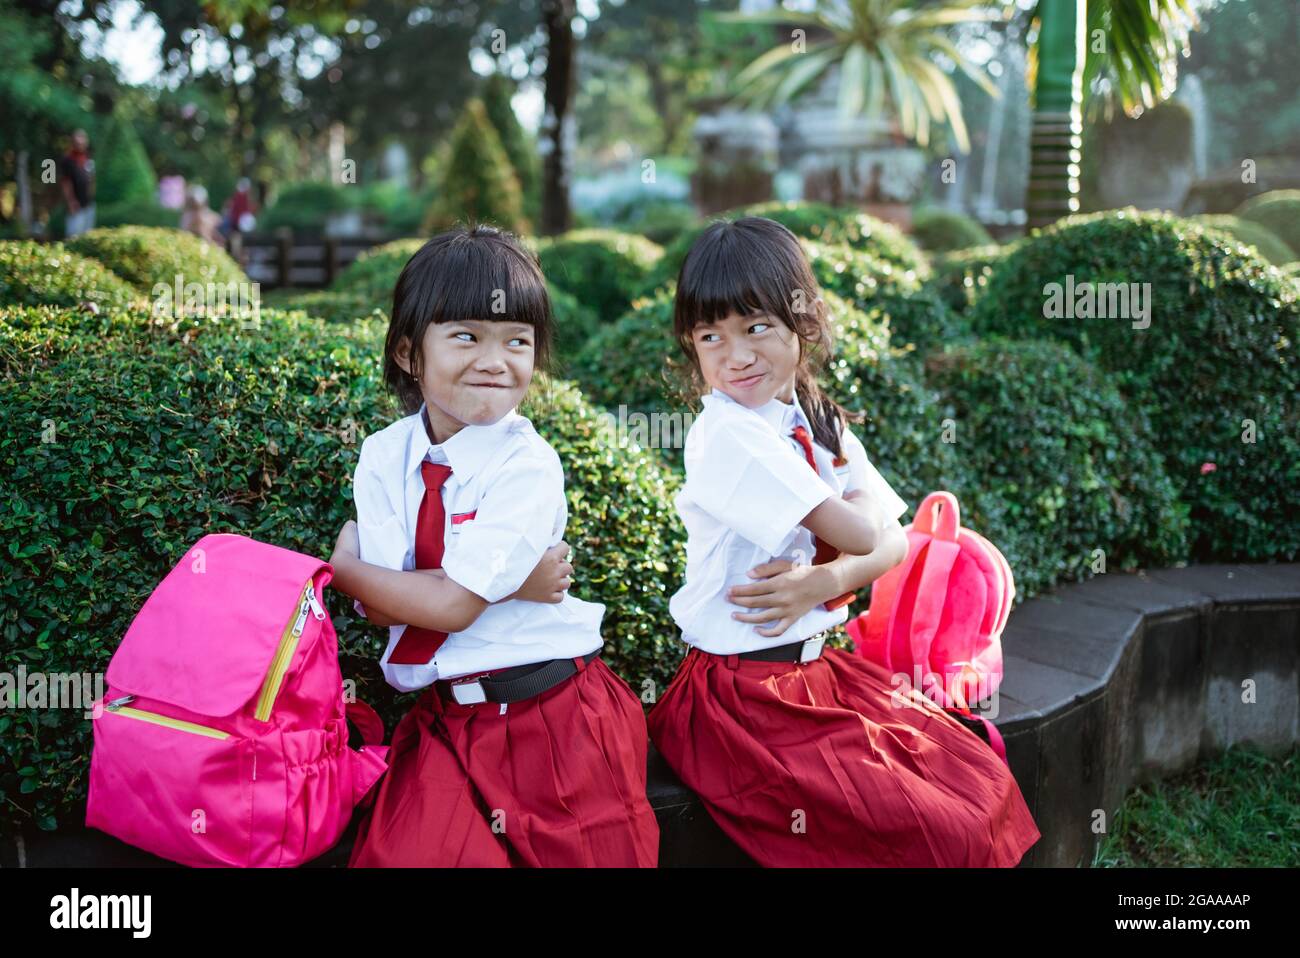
<point>1216,368</point>
<point>1074,462</point>
<point>137,213</point>
<point>915,313</point>
<point>627,362</point>
<point>603,269</point>
<point>333,306</point>
<point>1266,242</point>
<point>1277,211</point>
<point>812,221</point>
<point>146,256</point>
<point>305,207</point>
<point>162,436</point>
<point>942,231</point>
<point>33,274</point>
<point>960,276</point>
<point>374,273</point>
<point>842,224</point>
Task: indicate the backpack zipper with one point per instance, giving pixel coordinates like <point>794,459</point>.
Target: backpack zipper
<point>119,707</point>
<point>284,651</point>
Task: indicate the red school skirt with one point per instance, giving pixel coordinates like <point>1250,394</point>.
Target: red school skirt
<point>823,764</point>
<point>559,780</point>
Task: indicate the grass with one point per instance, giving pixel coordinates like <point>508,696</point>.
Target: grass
<point>1240,810</point>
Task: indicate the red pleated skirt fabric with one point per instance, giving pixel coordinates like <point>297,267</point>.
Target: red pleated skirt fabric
<point>824,764</point>
<point>559,780</point>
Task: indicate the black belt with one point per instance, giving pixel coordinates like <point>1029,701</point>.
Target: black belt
<point>805,650</point>
<point>513,684</point>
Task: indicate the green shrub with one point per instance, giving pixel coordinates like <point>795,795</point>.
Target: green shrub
<point>942,231</point>
<point>32,274</point>
<point>575,324</point>
<point>960,276</point>
<point>625,363</point>
<point>629,546</point>
<point>333,306</point>
<point>915,313</point>
<point>146,256</point>
<point>477,182</point>
<point>1266,242</point>
<point>400,208</point>
<point>1073,461</point>
<point>122,170</point>
<point>161,437</point>
<point>137,213</point>
<point>305,207</point>
<point>843,224</point>
<point>813,221</point>
<point>660,221</point>
<point>602,268</point>
<point>374,273</point>
<point>1277,211</point>
<point>1216,369</point>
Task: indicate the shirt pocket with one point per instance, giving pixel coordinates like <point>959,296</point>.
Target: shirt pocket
<point>459,520</point>
<point>385,543</point>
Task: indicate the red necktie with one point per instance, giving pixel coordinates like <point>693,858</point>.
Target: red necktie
<point>825,552</point>
<point>417,646</point>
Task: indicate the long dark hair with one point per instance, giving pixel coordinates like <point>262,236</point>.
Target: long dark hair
<point>464,273</point>
<point>756,265</point>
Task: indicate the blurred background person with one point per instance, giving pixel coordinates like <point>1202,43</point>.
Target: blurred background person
<point>77,178</point>
<point>239,210</point>
<point>198,218</point>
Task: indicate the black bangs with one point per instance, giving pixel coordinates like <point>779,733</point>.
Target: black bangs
<point>477,273</point>
<point>746,266</point>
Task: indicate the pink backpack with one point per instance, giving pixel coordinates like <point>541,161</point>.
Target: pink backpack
<point>222,738</point>
<point>938,616</point>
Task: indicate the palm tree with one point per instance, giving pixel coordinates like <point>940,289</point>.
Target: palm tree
<point>1128,53</point>
<point>1121,51</point>
<point>885,49</point>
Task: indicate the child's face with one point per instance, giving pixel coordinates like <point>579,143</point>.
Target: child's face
<point>474,372</point>
<point>750,358</point>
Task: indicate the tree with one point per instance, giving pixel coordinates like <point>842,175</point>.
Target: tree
<point>1112,49</point>
<point>123,173</point>
<point>497,94</point>
<point>557,122</point>
<point>401,75</point>
<point>885,51</point>
<point>477,181</point>
<point>40,99</point>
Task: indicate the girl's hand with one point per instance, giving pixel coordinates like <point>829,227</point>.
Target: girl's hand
<point>550,579</point>
<point>347,546</point>
<point>786,592</point>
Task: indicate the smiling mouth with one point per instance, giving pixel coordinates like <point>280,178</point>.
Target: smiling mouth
<point>488,385</point>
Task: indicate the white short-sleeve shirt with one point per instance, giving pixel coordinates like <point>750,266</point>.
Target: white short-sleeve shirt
<point>748,486</point>
<point>504,505</point>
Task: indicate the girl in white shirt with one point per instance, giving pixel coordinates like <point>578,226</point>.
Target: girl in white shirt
<point>525,748</point>
<point>804,755</point>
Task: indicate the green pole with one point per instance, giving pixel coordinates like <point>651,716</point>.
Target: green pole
<point>1057,133</point>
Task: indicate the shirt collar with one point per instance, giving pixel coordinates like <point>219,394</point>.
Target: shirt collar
<point>465,452</point>
<point>781,416</point>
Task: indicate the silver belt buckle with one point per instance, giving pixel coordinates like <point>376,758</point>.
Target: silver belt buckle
<point>469,692</point>
<point>812,647</point>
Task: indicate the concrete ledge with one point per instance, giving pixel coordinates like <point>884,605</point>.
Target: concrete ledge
<point>1109,683</point>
